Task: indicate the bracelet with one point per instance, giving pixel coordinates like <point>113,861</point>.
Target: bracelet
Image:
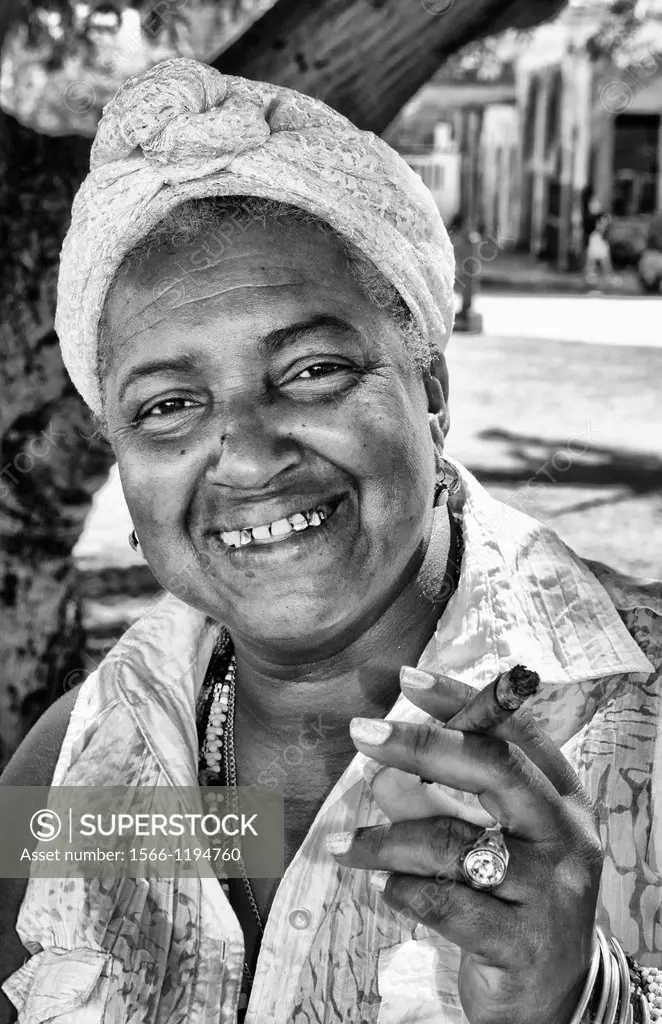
<point>617,989</point>
<point>601,1016</point>
<point>589,985</point>
<point>626,1014</point>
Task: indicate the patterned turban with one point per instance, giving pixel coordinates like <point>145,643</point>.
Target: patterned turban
<point>182,130</point>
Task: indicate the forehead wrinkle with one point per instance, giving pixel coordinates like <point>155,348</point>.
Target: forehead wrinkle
<point>162,264</point>
<point>190,309</point>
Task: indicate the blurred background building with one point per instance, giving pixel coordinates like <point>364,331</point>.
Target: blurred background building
<point>549,121</point>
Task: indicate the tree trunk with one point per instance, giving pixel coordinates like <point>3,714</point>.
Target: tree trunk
<point>364,57</point>
<point>51,459</point>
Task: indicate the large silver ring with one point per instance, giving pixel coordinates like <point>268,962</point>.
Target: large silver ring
<point>485,861</point>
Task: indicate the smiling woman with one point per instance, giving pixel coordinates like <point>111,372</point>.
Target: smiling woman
<point>280,372</point>
<point>254,300</point>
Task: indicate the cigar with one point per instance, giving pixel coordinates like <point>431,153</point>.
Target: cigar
<point>497,701</point>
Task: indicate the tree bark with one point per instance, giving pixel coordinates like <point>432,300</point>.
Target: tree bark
<point>364,57</point>
<point>51,459</point>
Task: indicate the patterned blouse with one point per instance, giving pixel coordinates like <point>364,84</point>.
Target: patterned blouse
<point>148,952</point>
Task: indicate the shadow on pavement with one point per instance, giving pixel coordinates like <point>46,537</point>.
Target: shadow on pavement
<point>556,462</point>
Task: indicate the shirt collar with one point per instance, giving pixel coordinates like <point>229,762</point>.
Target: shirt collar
<point>524,597</point>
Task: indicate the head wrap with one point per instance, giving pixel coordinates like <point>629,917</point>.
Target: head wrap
<point>182,130</point>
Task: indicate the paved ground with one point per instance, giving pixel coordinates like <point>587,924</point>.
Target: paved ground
<point>571,434</point>
<point>557,408</point>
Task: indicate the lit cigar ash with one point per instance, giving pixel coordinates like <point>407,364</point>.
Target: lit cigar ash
<point>497,702</point>
<point>515,686</point>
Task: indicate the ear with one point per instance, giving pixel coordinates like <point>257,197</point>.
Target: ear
<point>436,388</point>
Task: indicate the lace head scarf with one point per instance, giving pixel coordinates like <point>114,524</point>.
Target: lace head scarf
<point>181,131</point>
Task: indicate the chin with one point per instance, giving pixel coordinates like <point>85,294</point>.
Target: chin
<point>300,628</point>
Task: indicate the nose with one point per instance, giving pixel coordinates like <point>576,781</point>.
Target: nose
<point>251,449</point>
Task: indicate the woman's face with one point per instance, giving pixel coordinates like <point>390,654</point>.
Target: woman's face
<point>250,381</point>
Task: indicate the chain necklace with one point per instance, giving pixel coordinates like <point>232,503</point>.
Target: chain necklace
<point>218,766</point>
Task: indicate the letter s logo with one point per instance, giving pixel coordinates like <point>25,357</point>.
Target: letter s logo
<point>45,825</point>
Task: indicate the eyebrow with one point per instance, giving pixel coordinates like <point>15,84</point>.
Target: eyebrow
<point>274,341</point>
<point>268,346</point>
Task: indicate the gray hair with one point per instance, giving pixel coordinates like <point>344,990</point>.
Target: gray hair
<point>190,219</point>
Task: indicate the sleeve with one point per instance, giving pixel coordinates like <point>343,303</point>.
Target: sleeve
<point>619,761</point>
<point>63,985</point>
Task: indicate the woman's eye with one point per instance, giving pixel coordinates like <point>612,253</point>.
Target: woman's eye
<point>318,370</point>
<point>166,408</point>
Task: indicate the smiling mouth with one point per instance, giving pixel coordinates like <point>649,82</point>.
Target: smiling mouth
<point>282,529</point>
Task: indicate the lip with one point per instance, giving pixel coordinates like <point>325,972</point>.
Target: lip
<point>295,545</point>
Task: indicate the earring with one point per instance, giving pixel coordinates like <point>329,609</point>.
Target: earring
<point>440,491</point>
<point>134,542</point>
<point>448,483</point>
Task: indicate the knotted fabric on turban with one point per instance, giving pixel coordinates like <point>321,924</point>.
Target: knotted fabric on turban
<point>182,130</point>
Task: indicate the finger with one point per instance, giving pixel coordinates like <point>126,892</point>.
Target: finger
<point>432,848</point>
<point>509,786</point>
<point>443,697</point>
<point>402,797</point>
<point>476,921</point>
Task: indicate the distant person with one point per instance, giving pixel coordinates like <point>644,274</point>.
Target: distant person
<point>592,209</point>
<point>598,253</point>
<point>649,267</point>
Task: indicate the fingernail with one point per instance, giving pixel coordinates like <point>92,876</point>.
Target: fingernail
<point>378,880</point>
<point>339,842</point>
<point>370,770</point>
<point>415,679</point>
<point>372,731</point>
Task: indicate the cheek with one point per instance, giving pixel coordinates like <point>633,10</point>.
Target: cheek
<point>156,491</point>
<point>393,447</point>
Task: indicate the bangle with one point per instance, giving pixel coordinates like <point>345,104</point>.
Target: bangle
<point>589,985</point>
<point>600,1016</point>
<point>625,1016</point>
<point>617,989</point>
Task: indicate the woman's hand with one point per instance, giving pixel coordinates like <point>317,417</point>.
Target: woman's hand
<point>527,945</point>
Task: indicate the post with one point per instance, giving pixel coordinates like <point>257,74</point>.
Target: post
<point>468,321</point>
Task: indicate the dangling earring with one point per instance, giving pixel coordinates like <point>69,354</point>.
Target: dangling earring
<point>440,490</point>
<point>134,542</point>
<point>448,483</point>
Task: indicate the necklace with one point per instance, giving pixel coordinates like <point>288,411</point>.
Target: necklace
<point>218,765</point>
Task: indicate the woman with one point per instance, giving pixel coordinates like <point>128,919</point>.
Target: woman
<point>254,300</point>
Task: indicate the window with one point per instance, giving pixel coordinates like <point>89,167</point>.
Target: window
<point>636,165</point>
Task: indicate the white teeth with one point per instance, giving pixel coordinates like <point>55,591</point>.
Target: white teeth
<point>281,528</point>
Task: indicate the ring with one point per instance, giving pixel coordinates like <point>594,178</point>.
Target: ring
<point>485,861</point>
